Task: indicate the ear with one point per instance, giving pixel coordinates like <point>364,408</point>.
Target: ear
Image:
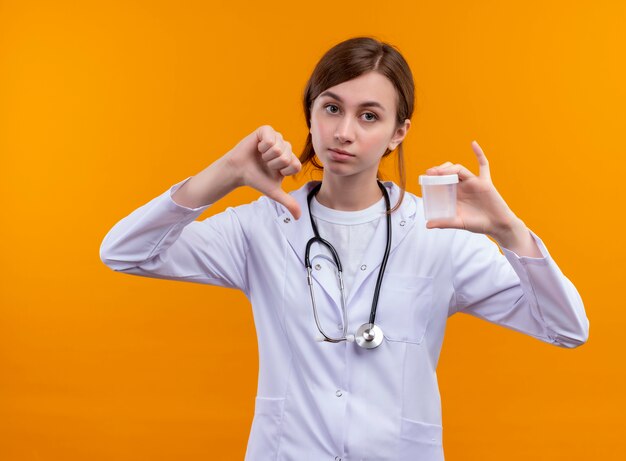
<point>399,135</point>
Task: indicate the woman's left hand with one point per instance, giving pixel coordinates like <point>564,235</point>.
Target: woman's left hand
<point>480,208</point>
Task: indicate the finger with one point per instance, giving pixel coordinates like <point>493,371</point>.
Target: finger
<point>483,163</point>
<point>266,144</point>
<point>262,131</point>
<point>273,151</point>
<point>293,168</point>
<point>433,170</point>
<point>283,161</point>
<point>267,137</point>
<point>463,172</point>
<point>287,201</point>
<point>457,169</point>
<point>454,223</point>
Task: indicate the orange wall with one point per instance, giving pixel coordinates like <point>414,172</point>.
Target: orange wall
<point>104,105</point>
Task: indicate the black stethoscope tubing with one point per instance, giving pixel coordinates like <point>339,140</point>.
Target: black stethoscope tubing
<point>334,254</point>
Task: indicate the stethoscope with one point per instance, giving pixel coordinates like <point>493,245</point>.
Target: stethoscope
<point>369,335</point>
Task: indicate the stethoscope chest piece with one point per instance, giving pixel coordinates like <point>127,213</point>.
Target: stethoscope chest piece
<point>369,336</point>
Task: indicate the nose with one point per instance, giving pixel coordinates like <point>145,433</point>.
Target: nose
<point>344,131</point>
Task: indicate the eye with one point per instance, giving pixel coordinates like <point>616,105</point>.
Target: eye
<point>370,116</point>
<point>331,108</point>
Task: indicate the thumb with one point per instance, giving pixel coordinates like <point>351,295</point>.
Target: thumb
<point>286,200</point>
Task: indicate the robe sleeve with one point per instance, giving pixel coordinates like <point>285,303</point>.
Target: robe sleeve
<point>162,239</point>
<point>528,295</point>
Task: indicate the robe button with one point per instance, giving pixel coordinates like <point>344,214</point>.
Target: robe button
<point>402,223</point>
<point>338,393</point>
<point>317,267</point>
<point>363,267</point>
<point>287,220</point>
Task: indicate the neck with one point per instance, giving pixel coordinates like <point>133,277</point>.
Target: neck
<point>348,194</point>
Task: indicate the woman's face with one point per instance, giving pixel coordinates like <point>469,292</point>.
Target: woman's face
<point>353,123</point>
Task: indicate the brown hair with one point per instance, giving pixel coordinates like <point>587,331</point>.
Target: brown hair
<point>350,59</point>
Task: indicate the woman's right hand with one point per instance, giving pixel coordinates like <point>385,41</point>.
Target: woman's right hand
<point>263,159</point>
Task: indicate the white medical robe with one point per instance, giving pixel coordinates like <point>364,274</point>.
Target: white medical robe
<point>322,401</point>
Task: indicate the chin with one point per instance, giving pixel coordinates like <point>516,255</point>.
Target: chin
<point>338,169</point>
<point>344,172</point>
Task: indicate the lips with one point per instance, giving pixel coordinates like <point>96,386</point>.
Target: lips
<point>338,155</point>
<point>342,152</point>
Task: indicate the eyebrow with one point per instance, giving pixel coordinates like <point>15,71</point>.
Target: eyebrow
<point>363,104</point>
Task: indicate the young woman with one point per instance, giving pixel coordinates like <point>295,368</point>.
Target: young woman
<point>348,357</point>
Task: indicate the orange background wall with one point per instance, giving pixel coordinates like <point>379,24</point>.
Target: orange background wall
<point>105,105</point>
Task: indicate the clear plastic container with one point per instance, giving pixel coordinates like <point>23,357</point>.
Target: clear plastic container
<point>439,196</point>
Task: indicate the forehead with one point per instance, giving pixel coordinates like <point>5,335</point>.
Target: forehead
<point>368,87</point>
